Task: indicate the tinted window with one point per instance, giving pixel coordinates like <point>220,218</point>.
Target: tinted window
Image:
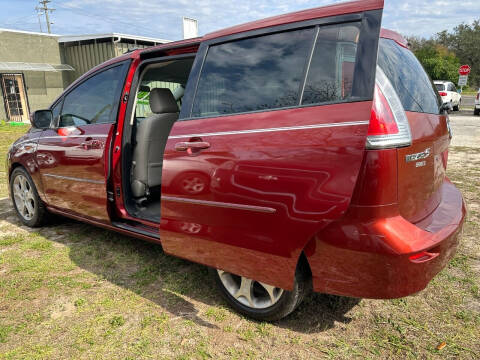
<point>252,74</point>
<point>331,73</point>
<point>94,101</point>
<point>413,86</point>
<point>440,87</point>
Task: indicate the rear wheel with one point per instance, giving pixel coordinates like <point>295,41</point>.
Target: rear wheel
<point>258,300</point>
<point>456,108</point>
<point>28,205</point>
<point>476,112</point>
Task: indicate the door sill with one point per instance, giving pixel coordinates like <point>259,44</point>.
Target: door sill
<point>138,228</point>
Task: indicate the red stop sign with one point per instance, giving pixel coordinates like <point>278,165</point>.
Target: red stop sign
<point>464,70</point>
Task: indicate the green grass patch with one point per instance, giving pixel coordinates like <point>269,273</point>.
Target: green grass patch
<point>73,291</point>
<point>8,134</point>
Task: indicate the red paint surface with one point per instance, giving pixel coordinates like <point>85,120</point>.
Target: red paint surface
<point>320,12</point>
<point>80,153</point>
<point>358,215</point>
<point>366,254</point>
<point>389,34</point>
<point>307,176</point>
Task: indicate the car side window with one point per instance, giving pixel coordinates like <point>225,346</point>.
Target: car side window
<point>252,74</point>
<point>454,88</point>
<point>95,100</point>
<point>331,73</point>
<point>56,111</point>
<point>269,71</point>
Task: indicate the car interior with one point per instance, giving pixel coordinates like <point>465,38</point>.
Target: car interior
<point>157,105</point>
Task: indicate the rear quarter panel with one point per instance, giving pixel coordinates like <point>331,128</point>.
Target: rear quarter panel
<point>418,186</point>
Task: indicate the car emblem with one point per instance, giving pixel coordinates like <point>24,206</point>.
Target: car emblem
<point>418,156</point>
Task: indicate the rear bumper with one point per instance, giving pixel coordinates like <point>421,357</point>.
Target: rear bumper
<point>374,257</point>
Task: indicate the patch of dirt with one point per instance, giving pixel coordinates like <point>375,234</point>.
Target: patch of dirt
<point>62,308</point>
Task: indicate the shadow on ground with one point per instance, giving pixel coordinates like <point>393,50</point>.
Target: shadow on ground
<point>146,270</point>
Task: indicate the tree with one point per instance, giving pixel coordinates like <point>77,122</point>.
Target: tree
<point>439,62</point>
<point>464,41</point>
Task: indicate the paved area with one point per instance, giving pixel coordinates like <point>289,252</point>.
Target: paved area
<point>468,101</point>
<point>465,128</point>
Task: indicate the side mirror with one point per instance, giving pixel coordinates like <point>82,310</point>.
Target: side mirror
<point>41,119</point>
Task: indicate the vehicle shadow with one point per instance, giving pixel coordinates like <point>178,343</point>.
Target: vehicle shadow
<point>172,283</point>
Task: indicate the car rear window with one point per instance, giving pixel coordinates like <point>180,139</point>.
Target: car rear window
<point>440,87</point>
<point>414,87</point>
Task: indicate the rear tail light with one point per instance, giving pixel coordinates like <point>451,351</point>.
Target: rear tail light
<point>478,96</point>
<point>442,93</point>
<point>388,126</point>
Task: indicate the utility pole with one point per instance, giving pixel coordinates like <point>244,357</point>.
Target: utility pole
<point>45,10</point>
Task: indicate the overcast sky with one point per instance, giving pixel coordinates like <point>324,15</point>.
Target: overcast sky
<point>163,18</point>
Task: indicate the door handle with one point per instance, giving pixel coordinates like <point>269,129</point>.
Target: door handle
<point>193,145</point>
<point>91,144</point>
<point>87,145</point>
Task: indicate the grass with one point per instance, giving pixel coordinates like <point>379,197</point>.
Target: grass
<point>73,291</point>
<point>8,134</point>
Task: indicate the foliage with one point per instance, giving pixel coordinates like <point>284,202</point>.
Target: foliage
<point>439,62</point>
<point>465,42</point>
<point>446,50</point>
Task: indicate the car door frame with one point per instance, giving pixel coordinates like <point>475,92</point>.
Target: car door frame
<point>100,212</point>
<point>282,270</point>
<point>121,183</point>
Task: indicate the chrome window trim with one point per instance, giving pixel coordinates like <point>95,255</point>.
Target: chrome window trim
<point>289,128</point>
<point>72,136</point>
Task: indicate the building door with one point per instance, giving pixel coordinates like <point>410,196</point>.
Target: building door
<point>15,97</point>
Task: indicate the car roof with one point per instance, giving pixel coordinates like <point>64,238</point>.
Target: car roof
<point>303,15</point>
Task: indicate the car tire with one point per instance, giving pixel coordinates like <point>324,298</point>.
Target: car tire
<point>476,112</point>
<point>29,207</point>
<point>456,108</point>
<point>283,302</point>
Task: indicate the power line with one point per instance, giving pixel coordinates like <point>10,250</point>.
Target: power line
<point>45,10</point>
<point>108,19</point>
<point>16,20</point>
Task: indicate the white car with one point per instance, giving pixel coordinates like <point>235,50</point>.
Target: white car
<point>476,109</point>
<point>449,94</point>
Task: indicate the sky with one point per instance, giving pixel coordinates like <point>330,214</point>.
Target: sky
<point>163,18</point>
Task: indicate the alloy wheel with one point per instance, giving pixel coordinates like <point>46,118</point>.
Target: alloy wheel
<point>251,293</point>
<point>24,197</point>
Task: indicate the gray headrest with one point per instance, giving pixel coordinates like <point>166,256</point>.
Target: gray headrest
<point>162,101</point>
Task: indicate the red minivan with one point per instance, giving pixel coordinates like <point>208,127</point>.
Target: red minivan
<point>303,151</point>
